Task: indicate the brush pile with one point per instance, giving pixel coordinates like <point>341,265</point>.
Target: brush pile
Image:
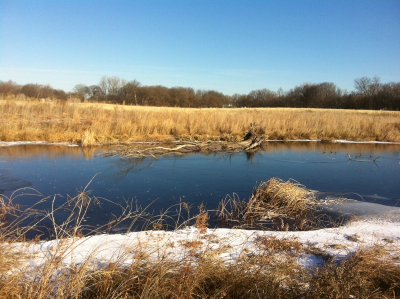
<point>251,142</point>
<point>271,203</point>
<point>255,137</point>
<point>156,150</point>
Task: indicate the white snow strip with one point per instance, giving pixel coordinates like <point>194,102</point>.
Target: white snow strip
<point>225,244</point>
<point>368,142</point>
<point>334,141</point>
<point>16,143</point>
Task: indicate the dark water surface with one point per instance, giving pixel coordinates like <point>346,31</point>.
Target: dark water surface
<point>373,174</point>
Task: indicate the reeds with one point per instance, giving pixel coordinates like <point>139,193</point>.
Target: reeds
<point>89,123</point>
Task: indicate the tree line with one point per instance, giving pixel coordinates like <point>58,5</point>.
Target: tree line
<point>369,93</point>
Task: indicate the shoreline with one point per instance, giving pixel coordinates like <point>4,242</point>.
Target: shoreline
<point>68,144</point>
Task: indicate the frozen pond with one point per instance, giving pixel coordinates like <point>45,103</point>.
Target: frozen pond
<point>372,175</point>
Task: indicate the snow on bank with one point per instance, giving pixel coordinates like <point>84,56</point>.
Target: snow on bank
<point>334,141</point>
<point>16,143</point>
<point>368,142</point>
<point>226,244</point>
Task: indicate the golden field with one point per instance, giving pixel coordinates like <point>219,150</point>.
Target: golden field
<point>90,123</point>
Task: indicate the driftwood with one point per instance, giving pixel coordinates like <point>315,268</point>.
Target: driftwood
<point>256,135</point>
<point>252,141</point>
<point>255,143</point>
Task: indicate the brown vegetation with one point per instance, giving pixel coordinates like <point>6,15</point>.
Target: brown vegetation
<point>88,124</point>
<point>277,204</point>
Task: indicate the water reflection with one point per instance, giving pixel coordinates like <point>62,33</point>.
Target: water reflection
<point>53,152</point>
<point>331,148</point>
<point>123,167</point>
<point>48,151</point>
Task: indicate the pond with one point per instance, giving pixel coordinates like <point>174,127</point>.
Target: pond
<point>371,175</point>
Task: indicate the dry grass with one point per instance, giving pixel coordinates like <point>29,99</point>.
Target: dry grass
<point>264,276</point>
<point>288,202</point>
<point>104,123</point>
<point>367,274</point>
<point>271,270</point>
<point>202,220</point>
<point>289,199</point>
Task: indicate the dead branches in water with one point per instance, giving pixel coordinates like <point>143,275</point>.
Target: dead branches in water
<point>141,151</point>
<point>251,142</point>
<point>256,137</point>
<point>289,202</point>
<point>161,150</point>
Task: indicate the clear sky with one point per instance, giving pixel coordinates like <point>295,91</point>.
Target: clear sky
<point>226,45</point>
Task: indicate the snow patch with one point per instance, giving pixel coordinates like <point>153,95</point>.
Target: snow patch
<point>16,143</point>
<point>225,244</point>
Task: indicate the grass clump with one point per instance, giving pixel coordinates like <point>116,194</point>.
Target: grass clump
<point>286,199</point>
<point>273,243</point>
<point>283,204</point>
<point>88,138</point>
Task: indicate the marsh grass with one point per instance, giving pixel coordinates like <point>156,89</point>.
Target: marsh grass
<point>289,198</point>
<point>284,205</point>
<point>270,270</point>
<point>91,123</point>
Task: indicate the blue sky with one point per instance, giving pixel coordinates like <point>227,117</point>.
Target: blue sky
<point>229,46</point>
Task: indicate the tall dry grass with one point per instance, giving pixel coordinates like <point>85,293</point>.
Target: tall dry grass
<point>105,123</point>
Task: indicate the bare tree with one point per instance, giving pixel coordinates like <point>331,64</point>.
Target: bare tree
<point>129,92</point>
<point>32,90</point>
<point>367,86</point>
<point>95,92</point>
<point>111,87</point>
<point>9,87</point>
<point>81,91</point>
